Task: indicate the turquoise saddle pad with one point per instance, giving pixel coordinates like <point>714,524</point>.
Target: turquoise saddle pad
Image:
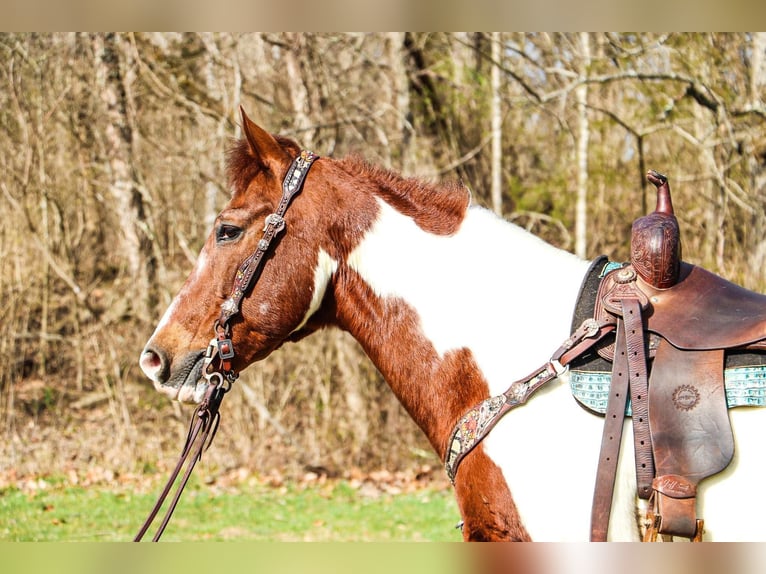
<point>745,387</point>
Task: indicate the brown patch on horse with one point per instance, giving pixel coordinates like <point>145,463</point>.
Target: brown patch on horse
<point>436,391</point>
<point>436,208</point>
<point>489,513</point>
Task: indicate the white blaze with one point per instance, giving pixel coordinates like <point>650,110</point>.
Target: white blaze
<point>199,268</point>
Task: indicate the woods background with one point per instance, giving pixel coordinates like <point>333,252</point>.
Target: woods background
<point>112,170</point>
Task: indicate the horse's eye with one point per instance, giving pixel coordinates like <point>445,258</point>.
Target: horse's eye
<point>227,232</point>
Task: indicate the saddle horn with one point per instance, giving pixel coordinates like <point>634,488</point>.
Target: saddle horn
<point>655,242</point>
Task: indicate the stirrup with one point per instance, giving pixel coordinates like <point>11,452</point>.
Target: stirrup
<point>654,525</point>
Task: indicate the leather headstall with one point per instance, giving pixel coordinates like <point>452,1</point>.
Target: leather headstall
<point>247,273</point>
<point>206,416</point>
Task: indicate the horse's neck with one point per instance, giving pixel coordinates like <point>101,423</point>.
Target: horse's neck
<point>491,294</point>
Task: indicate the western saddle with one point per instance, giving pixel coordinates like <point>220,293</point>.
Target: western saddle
<point>674,323</point>
<point>666,330</point>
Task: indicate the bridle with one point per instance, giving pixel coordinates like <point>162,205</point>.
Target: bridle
<point>217,366</point>
<point>248,271</point>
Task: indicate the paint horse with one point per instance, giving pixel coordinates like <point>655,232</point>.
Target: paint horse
<point>452,304</point>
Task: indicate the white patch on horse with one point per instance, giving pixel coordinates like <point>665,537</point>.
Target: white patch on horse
<point>323,272</point>
<point>466,287</point>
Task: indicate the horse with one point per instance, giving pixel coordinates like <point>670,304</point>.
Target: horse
<point>451,303</point>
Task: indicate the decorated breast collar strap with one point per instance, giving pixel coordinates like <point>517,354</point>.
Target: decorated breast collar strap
<point>246,275</point>
<point>476,424</point>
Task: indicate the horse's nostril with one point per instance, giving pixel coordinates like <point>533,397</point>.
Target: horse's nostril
<point>154,364</point>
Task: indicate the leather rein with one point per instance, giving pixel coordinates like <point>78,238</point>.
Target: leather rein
<point>220,374</point>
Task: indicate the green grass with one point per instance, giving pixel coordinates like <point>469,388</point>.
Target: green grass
<point>331,512</point>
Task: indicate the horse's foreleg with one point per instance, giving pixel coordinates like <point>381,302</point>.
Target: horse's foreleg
<point>487,507</point>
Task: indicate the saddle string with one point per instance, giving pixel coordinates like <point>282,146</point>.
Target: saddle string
<point>206,417</point>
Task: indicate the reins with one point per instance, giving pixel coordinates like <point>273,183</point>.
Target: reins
<point>220,377</point>
<point>202,430</point>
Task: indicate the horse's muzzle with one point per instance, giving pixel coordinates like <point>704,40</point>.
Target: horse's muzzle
<point>183,381</point>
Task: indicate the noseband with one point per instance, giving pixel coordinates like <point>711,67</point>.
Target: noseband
<point>221,376</point>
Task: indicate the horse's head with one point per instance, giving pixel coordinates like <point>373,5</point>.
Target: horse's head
<point>287,292</point>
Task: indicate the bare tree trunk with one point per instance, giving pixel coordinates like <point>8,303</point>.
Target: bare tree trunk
<point>400,86</point>
<point>213,69</point>
<point>496,190</point>
<point>583,135</point>
<point>46,239</point>
<point>347,361</point>
<point>757,71</point>
<point>756,270</point>
<point>114,73</point>
<point>299,96</point>
<point>713,239</point>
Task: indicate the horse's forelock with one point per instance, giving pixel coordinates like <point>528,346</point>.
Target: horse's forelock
<point>242,166</point>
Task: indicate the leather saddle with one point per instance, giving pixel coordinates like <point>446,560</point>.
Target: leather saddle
<point>675,323</point>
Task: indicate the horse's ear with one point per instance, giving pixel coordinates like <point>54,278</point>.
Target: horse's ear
<point>263,146</point>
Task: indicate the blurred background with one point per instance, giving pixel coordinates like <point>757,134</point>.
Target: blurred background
<point>112,150</point>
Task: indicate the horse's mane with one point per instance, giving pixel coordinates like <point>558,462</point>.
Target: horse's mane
<point>436,207</point>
